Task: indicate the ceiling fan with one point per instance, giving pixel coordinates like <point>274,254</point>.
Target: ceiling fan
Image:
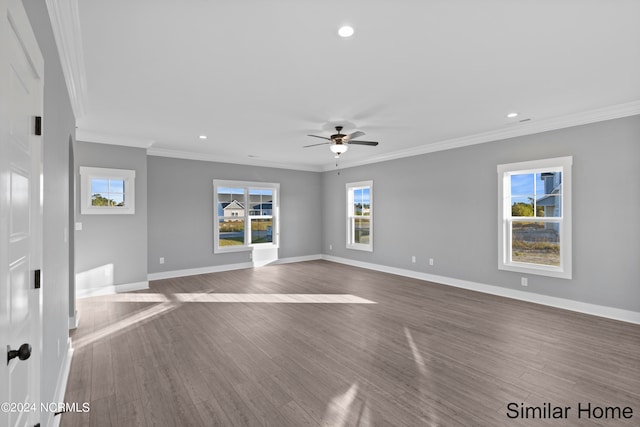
<point>339,142</point>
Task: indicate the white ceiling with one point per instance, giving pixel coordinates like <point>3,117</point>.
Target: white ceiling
<point>257,76</point>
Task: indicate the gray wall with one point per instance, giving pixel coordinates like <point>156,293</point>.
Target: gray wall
<point>454,194</point>
<point>181,211</point>
<point>58,131</point>
<point>120,240</point>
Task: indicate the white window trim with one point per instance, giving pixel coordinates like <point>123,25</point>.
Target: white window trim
<point>126,175</point>
<point>558,164</point>
<point>349,244</point>
<point>275,215</point>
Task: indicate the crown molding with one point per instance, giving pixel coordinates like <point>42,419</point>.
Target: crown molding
<point>65,22</point>
<point>514,130</point>
<point>102,138</point>
<point>517,129</point>
<point>248,161</point>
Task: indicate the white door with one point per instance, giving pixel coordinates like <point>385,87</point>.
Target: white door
<point>21,86</point>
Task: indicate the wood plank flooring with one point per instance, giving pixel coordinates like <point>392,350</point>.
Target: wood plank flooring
<point>421,354</point>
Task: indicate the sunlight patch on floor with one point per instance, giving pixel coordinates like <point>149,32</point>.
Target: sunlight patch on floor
<point>274,298</point>
<point>168,302</point>
<point>340,407</point>
<point>424,385</point>
<point>134,320</point>
<point>240,297</point>
<point>417,357</point>
<point>135,297</point>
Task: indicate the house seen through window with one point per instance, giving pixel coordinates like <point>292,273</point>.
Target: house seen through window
<point>245,215</point>
<point>535,206</point>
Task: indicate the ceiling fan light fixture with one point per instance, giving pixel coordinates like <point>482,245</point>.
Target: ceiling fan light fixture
<point>346,31</point>
<point>338,148</point>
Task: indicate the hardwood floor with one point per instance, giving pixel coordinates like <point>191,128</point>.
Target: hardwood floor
<point>404,353</point>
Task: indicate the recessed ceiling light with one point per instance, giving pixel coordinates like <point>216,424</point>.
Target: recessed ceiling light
<point>346,31</point>
<point>203,136</point>
<point>512,115</point>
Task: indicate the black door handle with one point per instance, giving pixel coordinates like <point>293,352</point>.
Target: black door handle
<point>23,353</point>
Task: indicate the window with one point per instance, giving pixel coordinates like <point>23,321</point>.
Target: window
<point>107,191</point>
<point>245,215</point>
<point>534,232</point>
<point>360,215</point>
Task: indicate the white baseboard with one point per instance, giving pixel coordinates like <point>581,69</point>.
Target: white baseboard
<point>74,320</point>
<point>200,270</point>
<point>563,303</point>
<point>61,386</point>
<point>113,289</point>
<point>227,267</point>
<point>567,304</point>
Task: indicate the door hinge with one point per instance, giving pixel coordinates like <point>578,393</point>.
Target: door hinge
<point>36,279</point>
<point>38,128</point>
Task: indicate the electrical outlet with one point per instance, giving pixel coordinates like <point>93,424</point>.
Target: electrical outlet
<point>330,247</point>
<point>430,261</point>
<point>524,281</point>
<point>161,260</point>
<point>413,259</point>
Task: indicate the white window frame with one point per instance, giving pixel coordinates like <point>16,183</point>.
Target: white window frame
<point>275,215</point>
<point>505,219</point>
<point>350,187</point>
<point>87,174</point>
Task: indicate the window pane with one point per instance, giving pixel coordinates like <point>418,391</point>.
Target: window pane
<point>357,209</point>
<point>522,206</point>
<point>116,186</point>
<point>362,229</point>
<point>116,199</point>
<point>548,183</point>
<point>522,185</point>
<point>366,201</point>
<point>357,201</point>
<point>99,185</point>
<point>255,201</point>
<point>523,194</point>
<point>260,202</point>
<point>549,206</point>
<point>231,232</point>
<point>535,242</point>
<point>357,195</point>
<point>101,199</point>
<point>361,201</point>
<point>231,202</point>
<point>262,230</point>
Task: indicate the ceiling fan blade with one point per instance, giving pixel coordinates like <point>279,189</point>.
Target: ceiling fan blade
<point>371,143</point>
<point>356,134</point>
<point>313,145</point>
<point>321,137</point>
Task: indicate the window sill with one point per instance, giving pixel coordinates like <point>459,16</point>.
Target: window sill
<point>107,211</point>
<point>243,248</point>
<point>365,248</point>
<point>536,270</point>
